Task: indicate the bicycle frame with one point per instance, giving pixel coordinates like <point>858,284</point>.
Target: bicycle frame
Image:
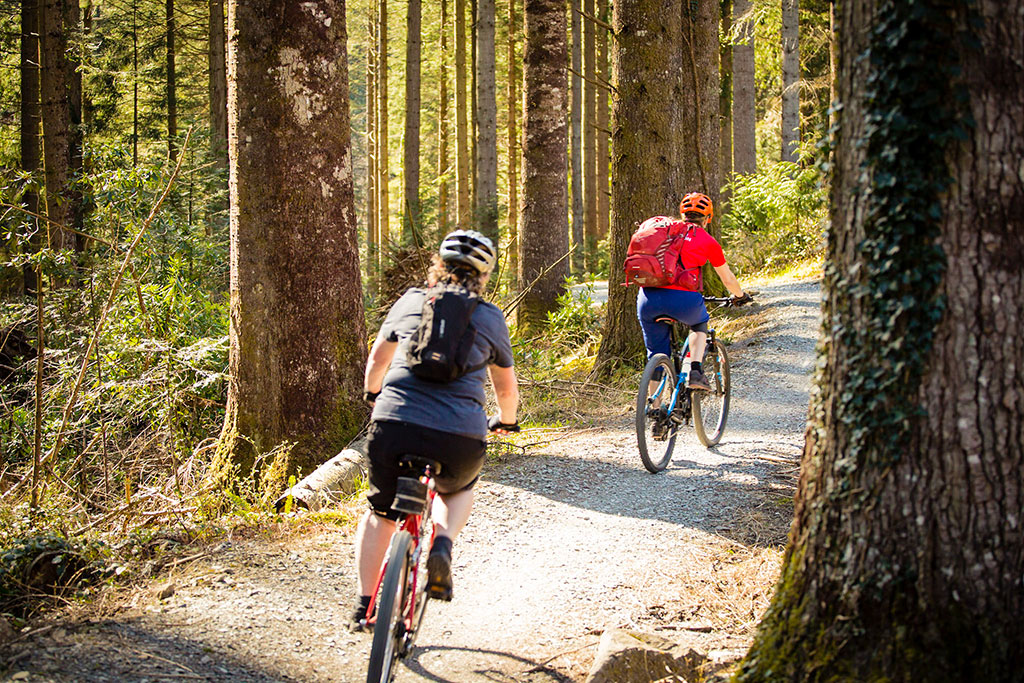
<point>413,524</point>
<point>680,391</point>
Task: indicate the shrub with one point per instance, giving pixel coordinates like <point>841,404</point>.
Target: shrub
<point>775,216</point>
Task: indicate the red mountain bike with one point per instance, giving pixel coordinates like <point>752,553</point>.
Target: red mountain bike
<point>400,597</point>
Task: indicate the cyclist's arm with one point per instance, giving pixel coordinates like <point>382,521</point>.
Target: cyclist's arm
<point>506,390</point>
<point>378,363</point>
<point>729,280</point>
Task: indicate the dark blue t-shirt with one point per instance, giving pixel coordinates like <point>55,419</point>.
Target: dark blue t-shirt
<point>458,406</point>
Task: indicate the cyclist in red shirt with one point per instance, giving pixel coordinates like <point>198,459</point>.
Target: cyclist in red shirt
<point>684,305</point>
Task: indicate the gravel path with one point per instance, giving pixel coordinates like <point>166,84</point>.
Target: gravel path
<point>568,539</point>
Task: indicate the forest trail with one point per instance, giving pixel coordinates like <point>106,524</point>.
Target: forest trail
<point>568,539</point>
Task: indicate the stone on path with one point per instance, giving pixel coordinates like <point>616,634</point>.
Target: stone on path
<point>625,656</point>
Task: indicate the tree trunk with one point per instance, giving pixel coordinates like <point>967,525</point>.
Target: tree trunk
<point>577,264</point>
<point>474,122</point>
<point>589,129</point>
<point>76,210</point>
<point>512,252</point>
<point>744,138</point>
<point>172,86</point>
<point>218,85</point>
<point>544,230</point>
<point>463,209</point>
<point>135,83</point>
<point>372,195</point>
<point>487,121</point>
<point>412,228</point>
<point>906,550</point>
<point>790,79</point>
<point>29,122</point>
<point>56,118</point>
<point>297,336</point>
<point>697,143</point>
<point>383,160</point>
<point>725,104</point>
<point>443,166</point>
<point>601,121</point>
<point>647,178</point>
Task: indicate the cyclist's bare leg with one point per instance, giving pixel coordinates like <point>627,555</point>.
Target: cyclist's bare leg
<point>451,512</point>
<point>698,340</point>
<point>372,538</point>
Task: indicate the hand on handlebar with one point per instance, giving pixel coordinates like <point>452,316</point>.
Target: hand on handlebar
<point>740,300</point>
<point>496,425</point>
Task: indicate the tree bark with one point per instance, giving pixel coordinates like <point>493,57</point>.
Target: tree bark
<point>725,104</point>
<point>29,122</point>
<point>463,206</point>
<point>744,137</point>
<point>56,119</point>
<point>372,195</point>
<point>443,164</point>
<point>577,264</point>
<point>512,251</point>
<point>544,227</point>
<point>905,554</point>
<point>412,229</point>
<point>76,209</point>
<point>589,129</point>
<point>218,85</point>
<point>383,160</point>
<point>297,336</point>
<point>646,58</point>
<point>172,86</point>
<point>487,124</point>
<point>601,125</point>
<point>697,142</point>
<point>790,79</point>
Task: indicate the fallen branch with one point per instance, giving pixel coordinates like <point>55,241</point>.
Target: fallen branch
<point>522,295</point>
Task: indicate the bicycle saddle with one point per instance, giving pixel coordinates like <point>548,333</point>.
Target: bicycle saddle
<point>419,462</point>
<point>665,319</point>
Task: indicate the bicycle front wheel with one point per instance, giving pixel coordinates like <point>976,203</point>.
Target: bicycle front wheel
<point>389,630</point>
<point>711,408</point>
<point>655,429</point>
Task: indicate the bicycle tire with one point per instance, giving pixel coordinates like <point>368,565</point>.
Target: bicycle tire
<point>711,408</point>
<point>389,630</point>
<point>655,445</point>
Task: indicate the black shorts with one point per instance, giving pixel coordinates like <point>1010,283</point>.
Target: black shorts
<point>461,459</point>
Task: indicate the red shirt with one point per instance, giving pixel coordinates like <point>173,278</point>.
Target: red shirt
<point>697,248</point>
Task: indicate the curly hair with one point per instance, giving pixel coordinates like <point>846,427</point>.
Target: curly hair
<point>441,273</point>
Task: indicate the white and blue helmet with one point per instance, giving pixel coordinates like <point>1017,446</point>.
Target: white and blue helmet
<point>469,248</point>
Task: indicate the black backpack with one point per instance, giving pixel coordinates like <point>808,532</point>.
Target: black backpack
<point>439,348</point>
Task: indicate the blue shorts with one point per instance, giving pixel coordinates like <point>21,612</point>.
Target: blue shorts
<point>652,302</point>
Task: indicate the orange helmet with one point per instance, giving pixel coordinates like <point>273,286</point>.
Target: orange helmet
<point>695,202</point>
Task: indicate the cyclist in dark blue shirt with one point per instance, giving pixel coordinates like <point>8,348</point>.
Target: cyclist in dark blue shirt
<point>442,421</point>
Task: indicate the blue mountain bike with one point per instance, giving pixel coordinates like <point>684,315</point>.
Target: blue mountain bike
<point>664,403</point>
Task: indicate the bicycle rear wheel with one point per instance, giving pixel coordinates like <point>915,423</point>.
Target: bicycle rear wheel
<point>655,430</point>
<point>711,408</point>
<point>389,630</point>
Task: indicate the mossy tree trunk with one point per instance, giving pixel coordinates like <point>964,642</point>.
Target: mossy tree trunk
<point>905,554</point>
<point>544,226</point>
<point>297,335</point>
<point>646,175</point>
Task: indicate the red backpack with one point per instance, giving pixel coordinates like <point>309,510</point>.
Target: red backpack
<point>652,259</point>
